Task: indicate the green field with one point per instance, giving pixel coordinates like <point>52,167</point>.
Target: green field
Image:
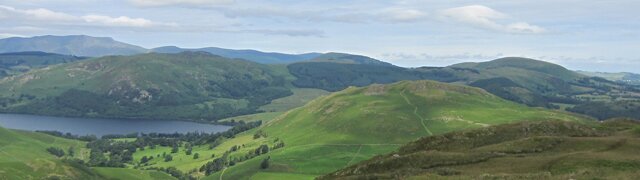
<point>355,124</point>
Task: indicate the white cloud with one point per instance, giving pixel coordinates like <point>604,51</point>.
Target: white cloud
<point>523,27</point>
<point>118,21</point>
<point>156,3</point>
<point>8,35</point>
<point>485,17</point>
<point>286,32</point>
<point>35,14</point>
<point>402,15</point>
<point>342,15</point>
<point>52,17</point>
<point>45,14</point>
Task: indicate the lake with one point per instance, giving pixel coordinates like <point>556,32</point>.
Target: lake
<point>99,127</point>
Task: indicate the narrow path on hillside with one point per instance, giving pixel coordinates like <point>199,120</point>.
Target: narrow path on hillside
<point>354,156</point>
<point>415,111</point>
<point>8,155</point>
<point>222,173</point>
<point>289,147</point>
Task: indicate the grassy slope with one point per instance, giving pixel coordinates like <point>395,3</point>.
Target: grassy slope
<point>23,155</point>
<point>186,162</point>
<point>355,124</point>
<point>274,109</point>
<point>124,174</point>
<point>300,97</point>
<point>544,150</point>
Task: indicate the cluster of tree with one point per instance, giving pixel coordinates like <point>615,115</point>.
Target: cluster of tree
<point>188,149</point>
<point>81,103</point>
<point>196,138</point>
<point>4,102</point>
<point>168,158</point>
<point>606,110</point>
<point>175,173</point>
<point>265,163</point>
<point>219,164</point>
<point>259,134</point>
<point>263,149</point>
<point>69,135</point>
<point>56,151</point>
<point>118,153</point>
<point>215,165</point>
<point>145,159</point>
<point>117,136</point>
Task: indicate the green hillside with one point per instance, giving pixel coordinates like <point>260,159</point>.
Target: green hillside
<point>523,63</point>
<point>23,155</point>
<point>526,150</point>
<point>19,62</point>
<point>189,85</point>
<point>355,124</point>
<point>522,80</point>
<point>124,174</point>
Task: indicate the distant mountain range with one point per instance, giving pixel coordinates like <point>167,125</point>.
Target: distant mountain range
<point>625,77</point>
<point>81,45</point>
<point>344,58</point>
<point>251,55</point>
<point>78,45</point>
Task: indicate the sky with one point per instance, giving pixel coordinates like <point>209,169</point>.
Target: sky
<point>594,35</point>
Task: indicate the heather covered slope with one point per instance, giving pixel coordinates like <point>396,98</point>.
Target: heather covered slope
<point>525,150</point>
<point>355,124</point>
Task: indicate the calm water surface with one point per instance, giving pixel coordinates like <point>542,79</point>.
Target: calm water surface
<point>99,127</point>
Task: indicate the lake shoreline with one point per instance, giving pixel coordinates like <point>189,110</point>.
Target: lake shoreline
<point>104,126</point>
<point>202,121</point>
